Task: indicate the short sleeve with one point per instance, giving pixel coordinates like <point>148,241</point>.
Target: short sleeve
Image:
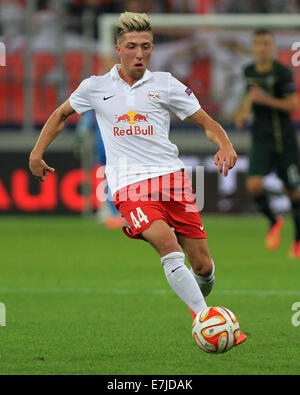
<point>80,98</point>
<point>182,100</point>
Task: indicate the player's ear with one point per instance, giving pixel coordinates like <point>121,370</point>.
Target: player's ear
<point>117,48</point>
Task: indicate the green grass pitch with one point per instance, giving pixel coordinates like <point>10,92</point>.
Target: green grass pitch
<point>81,299</point>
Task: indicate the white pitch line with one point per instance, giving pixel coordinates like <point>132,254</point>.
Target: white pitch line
<point>87,291</point>
<point>259,292</point>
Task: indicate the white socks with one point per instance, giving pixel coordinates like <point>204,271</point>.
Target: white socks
<point>183,281</point>
<point>205,283</point>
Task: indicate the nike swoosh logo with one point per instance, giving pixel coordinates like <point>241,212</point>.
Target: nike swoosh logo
<point>108,97</point>
<point>174,270</point>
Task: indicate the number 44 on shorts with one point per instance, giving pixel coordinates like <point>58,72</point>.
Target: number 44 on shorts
<point>141,217</point>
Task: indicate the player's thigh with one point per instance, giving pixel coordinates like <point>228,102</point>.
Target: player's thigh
<point>161,237</point>
<point>261,162</point>
<point>197,253</point>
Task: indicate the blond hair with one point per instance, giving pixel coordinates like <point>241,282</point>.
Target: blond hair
<point>132,21</point>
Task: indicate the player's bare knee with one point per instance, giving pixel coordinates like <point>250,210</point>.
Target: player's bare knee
<point>254,186</point>
<point>202,266</point>
<point>206,269</point>
<point>293,194</point>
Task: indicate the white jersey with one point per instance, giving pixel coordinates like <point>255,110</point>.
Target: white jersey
<point>135,121</point>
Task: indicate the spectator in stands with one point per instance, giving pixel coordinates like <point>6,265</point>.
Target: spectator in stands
<point>224,6</point>
<point>192,6</point>
<point>91,9</point>
<point>255,6</point>
<point>76,7</point>
<point>148,6</point>
<point>133,5</point>
<point>46,34</point>
<point>278,6</point>
<point>294,6</point>
<point>248,6</point>
<point>12,24</point>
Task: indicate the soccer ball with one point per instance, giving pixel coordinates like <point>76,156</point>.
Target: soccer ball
<point>215,329</point>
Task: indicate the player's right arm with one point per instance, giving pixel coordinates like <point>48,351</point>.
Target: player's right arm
<point>50,131</point>
<point>243,112</point>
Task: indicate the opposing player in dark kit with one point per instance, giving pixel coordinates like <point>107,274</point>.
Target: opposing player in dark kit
<point>272,98</point>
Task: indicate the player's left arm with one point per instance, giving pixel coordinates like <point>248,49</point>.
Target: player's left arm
<point>215,133</point>
<point>289,103</point>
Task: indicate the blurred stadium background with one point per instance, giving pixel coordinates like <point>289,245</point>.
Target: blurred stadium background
<point>52,45</point>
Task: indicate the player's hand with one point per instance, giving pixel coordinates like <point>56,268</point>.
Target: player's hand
<point>225,159</point>
<point>240,122</point>
<point>257,95</point>
<point>39,168</point>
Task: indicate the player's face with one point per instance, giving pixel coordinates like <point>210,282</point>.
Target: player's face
<point>263,47</point>
<point>135,50</point>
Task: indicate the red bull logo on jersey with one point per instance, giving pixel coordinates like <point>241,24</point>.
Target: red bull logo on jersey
<point>131,118</point>
<point>134,130</point>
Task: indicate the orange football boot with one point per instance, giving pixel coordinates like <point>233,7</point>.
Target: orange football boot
<point>272,239</point>
<point>240,339</point>
<point>295,250</point>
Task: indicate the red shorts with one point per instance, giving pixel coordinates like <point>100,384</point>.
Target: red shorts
<point>169,198</point>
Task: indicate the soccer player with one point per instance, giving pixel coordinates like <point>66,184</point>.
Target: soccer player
<point>132,107</point>
<point>272,98</point>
